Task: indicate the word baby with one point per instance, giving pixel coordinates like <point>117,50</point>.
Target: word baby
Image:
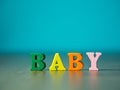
<point>75,62</point>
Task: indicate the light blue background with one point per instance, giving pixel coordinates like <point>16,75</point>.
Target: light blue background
<point>59,25</point>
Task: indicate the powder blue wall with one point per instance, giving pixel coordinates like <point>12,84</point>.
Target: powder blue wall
<point>68,25</point>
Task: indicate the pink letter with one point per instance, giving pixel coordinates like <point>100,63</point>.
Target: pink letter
<point>93,59</point>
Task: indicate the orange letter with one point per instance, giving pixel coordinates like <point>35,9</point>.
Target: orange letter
<point>75,61</point>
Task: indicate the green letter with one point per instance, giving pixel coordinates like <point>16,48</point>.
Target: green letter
<point>37,61</point>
